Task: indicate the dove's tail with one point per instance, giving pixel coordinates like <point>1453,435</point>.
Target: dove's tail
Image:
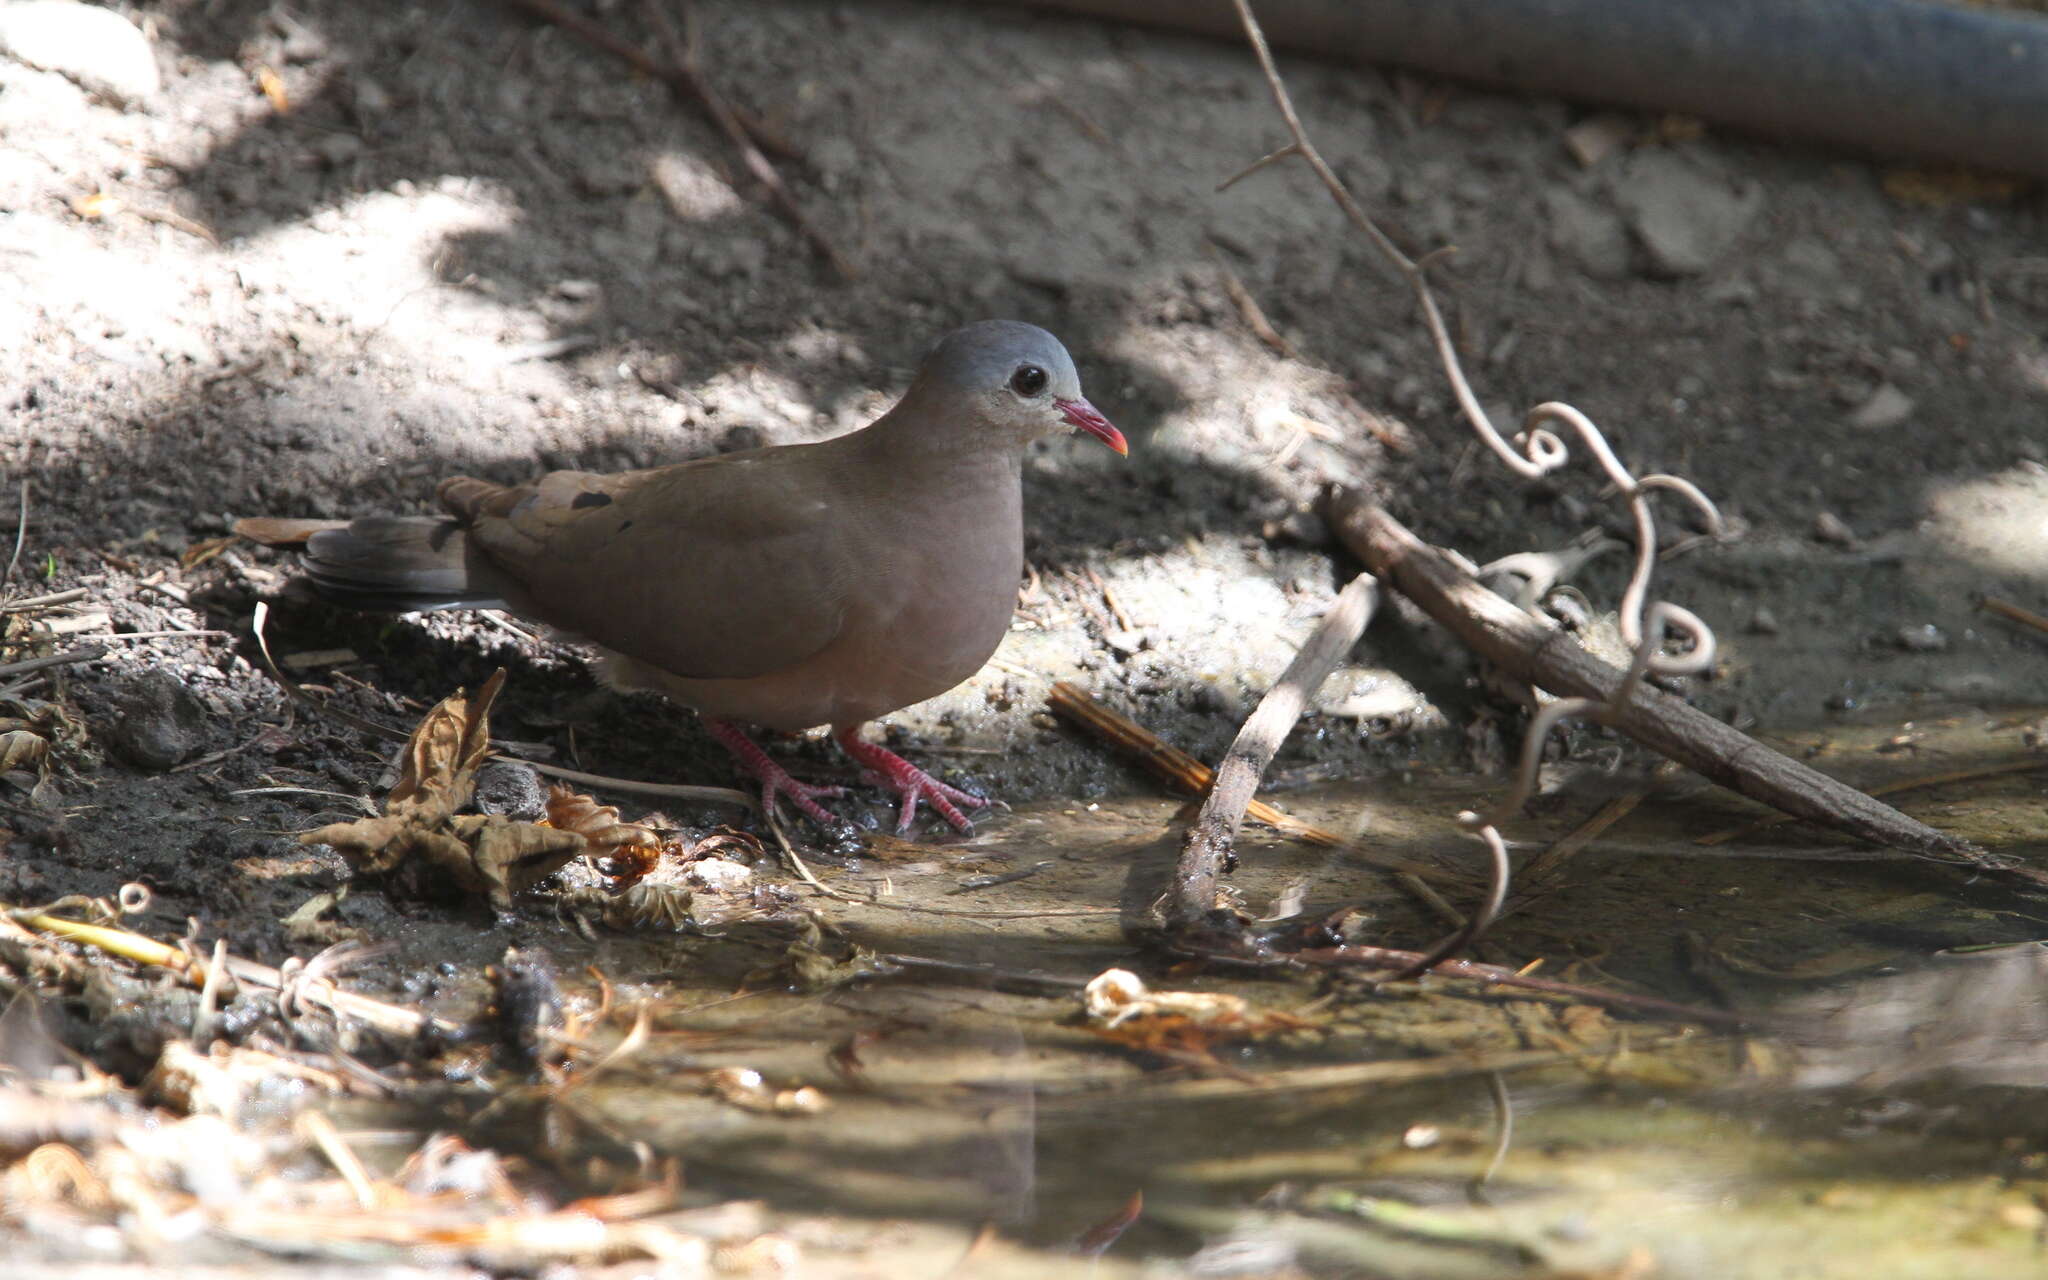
<point>385,564</point>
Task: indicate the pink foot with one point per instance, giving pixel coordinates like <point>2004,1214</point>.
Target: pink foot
<point>775,780</point>
<point>908,781</point>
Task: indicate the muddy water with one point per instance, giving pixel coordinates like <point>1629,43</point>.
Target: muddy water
<point>1885,1123</point>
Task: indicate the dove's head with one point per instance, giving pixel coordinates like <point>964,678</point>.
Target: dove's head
<point>1019,380</point>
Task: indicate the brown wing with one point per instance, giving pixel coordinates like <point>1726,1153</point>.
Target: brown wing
<point>723,568</point>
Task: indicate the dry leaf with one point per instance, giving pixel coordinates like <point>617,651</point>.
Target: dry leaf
<point>442,756</point>
<point>273,88</point>
<point>1941,188</point>
<point>20,749</point>
<point>506,858</point>
<point>597,823</point>
<point>200,552</point>
<point>478,853</point>
<point>97,205</point>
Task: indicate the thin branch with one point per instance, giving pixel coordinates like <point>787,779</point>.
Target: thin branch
<point>1493,975</point>
<point>1498,875</point>
<point>630,786</point>
<point>685,78</point>
<point>1190,776</point>
<point>64,659</point>
<point>1643,625</point>
<point>20,536</point>
<point>1544,656</point>
<point>683,57</point>
<point>146,950</point>
<point>44,602</point>
<point>1212,836</point>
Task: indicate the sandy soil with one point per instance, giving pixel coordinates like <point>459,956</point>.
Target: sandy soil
<point>450,239</point>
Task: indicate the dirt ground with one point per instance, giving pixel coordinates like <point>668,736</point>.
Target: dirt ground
<point>346,250</point>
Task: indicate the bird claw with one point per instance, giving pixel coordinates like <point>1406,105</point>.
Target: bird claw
<point>804,796</point>
<point>775,780</point>
<point>911,783</point>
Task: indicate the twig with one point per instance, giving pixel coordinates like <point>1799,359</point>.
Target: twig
<point>683,54</point>
<point>1211,837</point>
<point>1363,957</point>
<point>182,634</point>
<point>1888,789</point>
<point>1547,862</point>
<point>20,536</point>
<point>667,790</point>
<point>2008,610</point>
<point>995,977</point>
<point>1334,1078</point>
<point>686,79</point>
<point>1248,309</point>
<point>44,602</point>
<point>1190,776</point>
<point>579,25</point>
<point>64,659</point>
<point>1545,656</point>
<point>1116,606</point>
<point>146,950</point>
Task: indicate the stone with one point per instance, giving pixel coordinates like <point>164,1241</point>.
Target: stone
<point>1587,234</point>
<point>512,789</point>
<point>96,48</point>
<point>1683,213</point>
<point>157,723</point>
<point>1829,528</point>
<point>721,875</point>
<point>1887,406</point>
<point>1925,638</point>
<point>1596,137</point>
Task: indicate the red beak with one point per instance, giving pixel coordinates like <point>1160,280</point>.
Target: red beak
<point>1084,415</point>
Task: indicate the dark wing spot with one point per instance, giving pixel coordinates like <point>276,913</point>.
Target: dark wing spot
<point>584,501</point>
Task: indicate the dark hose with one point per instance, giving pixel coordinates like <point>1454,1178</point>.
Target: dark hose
<point>1940,83</point>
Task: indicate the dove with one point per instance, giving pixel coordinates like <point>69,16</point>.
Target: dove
<point>789,587</point>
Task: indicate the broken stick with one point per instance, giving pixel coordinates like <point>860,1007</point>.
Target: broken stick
<point>1210,838</point>
<point>1541,654</point>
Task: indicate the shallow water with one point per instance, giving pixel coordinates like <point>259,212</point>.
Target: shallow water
<point>1885,1124</point>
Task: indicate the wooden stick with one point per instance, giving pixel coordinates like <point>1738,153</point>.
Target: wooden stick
<point>1210,839</point>
<point>2007,609</point>
<point>1545,656</point>
<point>1190,776</point>
<point>146,950</point>
<point>64,659</point>
<point>1888,789</point>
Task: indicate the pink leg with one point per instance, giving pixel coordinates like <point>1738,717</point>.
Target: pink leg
<point>908,781</point>
<point>775,780</point>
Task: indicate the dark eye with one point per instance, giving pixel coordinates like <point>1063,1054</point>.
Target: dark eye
<point>1029,380</point>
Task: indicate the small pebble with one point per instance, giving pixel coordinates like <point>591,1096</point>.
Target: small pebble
<point>1127,643</point>
<point>158,722</point>
<point>1828,527</point>
<point>1925,638</point>
<point>514,790</point>
<point>721,875</point>
<point>1885,407</point>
